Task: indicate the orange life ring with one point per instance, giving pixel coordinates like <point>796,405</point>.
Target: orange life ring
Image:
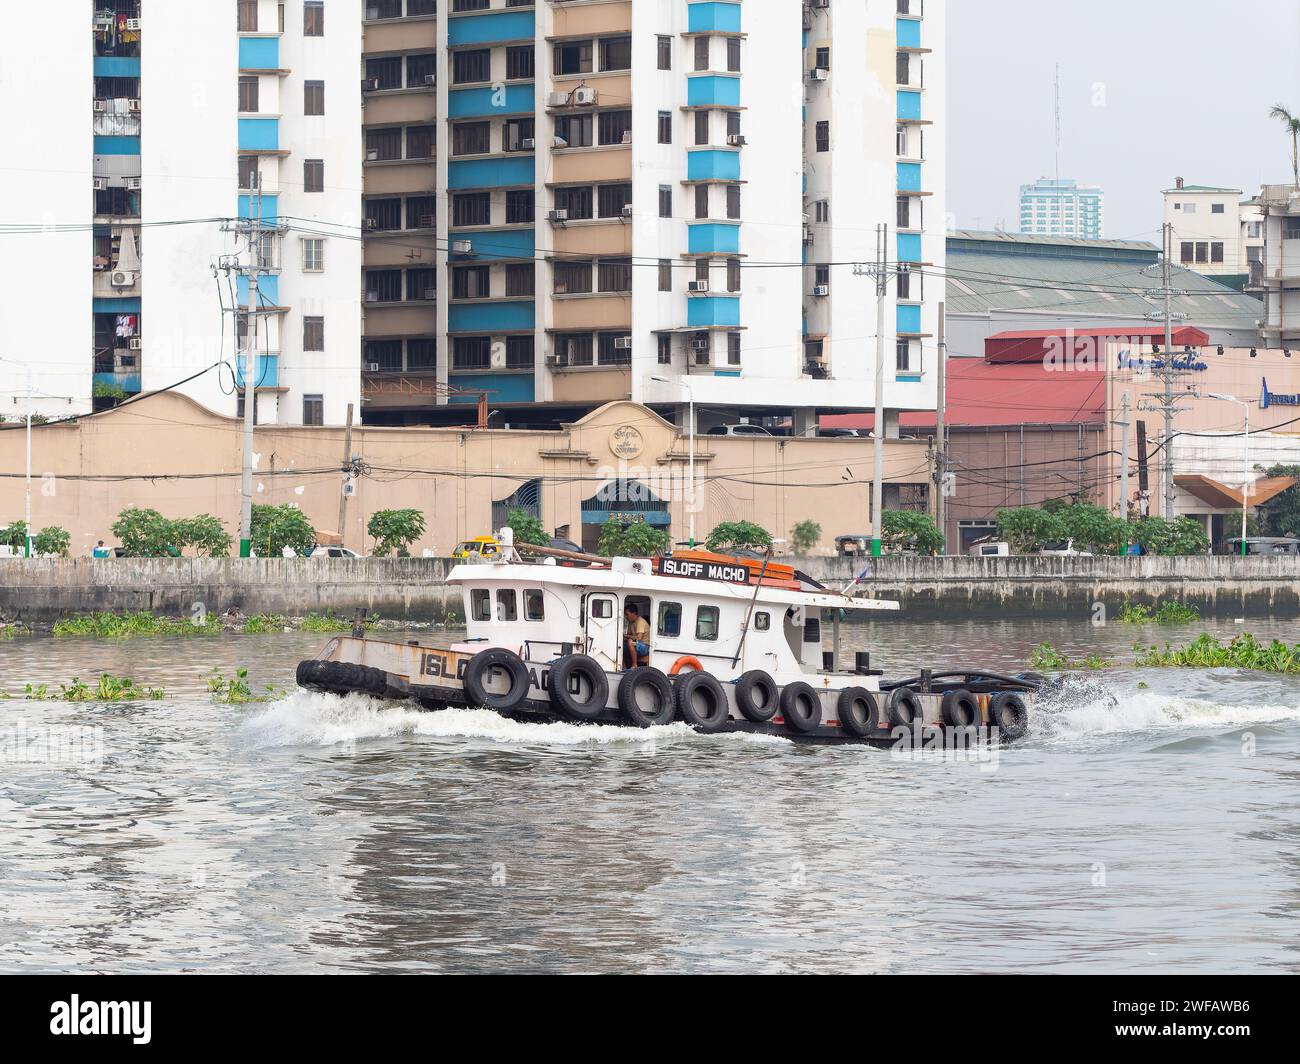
<point>685,662</point>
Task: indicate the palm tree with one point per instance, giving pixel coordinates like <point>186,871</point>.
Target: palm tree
<point>1292,123</point>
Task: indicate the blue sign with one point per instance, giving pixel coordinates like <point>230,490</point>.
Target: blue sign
<point>1268,399</point>
<point>1187,362</point>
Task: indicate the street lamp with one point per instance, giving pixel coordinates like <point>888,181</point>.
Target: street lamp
<point>27,507</point>
<point>690,399</point>
<point>1245,448</point>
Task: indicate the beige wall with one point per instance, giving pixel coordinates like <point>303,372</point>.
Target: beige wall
<point>452,474</point>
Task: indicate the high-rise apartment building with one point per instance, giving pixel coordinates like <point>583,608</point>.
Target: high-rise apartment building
<point>1062,207</point>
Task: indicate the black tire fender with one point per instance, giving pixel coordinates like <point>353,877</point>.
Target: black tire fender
<point>691,688</point>
<point>858,711</point>
<point>640,681</point>
<point>585,669</point>
<point>904,708</point>
<point>757,696</point>
<point>1010,713</point>
<point>961,709</point>
<point>801,707</point>
<point>481,666</point>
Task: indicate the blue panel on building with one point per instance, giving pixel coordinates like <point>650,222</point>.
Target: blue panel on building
<point>713,90</point>
<point>259,53</point>
<point>909,177</point>
<point>490,173</point>
<point>117,145</point>
<point>909,33</point>
<point>504,387</point>
<point>259,134</point>
<point>909,105</point>
<point>714,238</point>
<point>270,207</point>
<point>116,66</point>
<point>117,305</point>
<point>909,319</point>
<point>266,371</point>
<point>128,382</point>
<point>713,310</point>
<point>909,247</point>
<point>713,166</point>
<point>481,29</point>
<point>477,103</point>
<point>492,244</point>
<point>268,290</point>
<point>654,518</point>
<point>490,317</point>
<point>718,17</point>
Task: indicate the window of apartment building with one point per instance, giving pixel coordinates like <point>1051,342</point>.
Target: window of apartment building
<point>519,352</point>
<point>733,349</point>
<point>247,16</point>
<point>421,70</point>
<point>575,348</point>
<point>379,9</point>
<point>514,133</point>
<point>701,201</point>
<point>421,283</point>
<point>614,275</point>
<point>471,208</point>
<point>239,407</point>
<point>313,18</point>
<point>665,127</point>
<point>313,254</point>
<point>521,279</point>
<point>733,201</point>
<point>1188,251</point>
<point>665,201</point>
<point>1216,251</point>
<point>383,144</point>
<point>665,349</point>
<point>1290,228</point>
<point>422,353</point>
<point>823,59</point>
<point>904,217</point>
<point>703,269</point>
<point>608,351</point>
<point>471,282</point>
<point>823,136</point>
<point>701,53</point>
<point>615,127</point>
<point>471,352</point>
<point>576,201</point>
<point>574,130</point>
<point>1216,208</point>
<point>902,68</point>
<point>420,142</point>
<point>733,275</point>
<point>1189,208</point>
<point>313,409</point>
<point>384,355</point>
<point>383,286</point>
<point>383,214</point>
<point>822,211</point>
<point>313,333</point>
<point>900,139</point>
<point>384,72</point>
<point>733,123</point>
<point>313,175</point>
<point>701,127</point>
<point>664,52</point>
<point>821,274</point>
<point>612,199</point>
<point>733,54</point>
<point>248,94</point>
<point>573,278</point>
<point>420,212</point>
<point>903,356</point>
<point>519,206</point>
<point>521,62</point>
<point>247,173</point>
<point>1202,251</point>
<point>472,66</point>
<point>313,97</point>
<point>573,57</point>
<point>616,53</point>
<point>665,275</point>
<point>909,283</point>
<point>471,138</point>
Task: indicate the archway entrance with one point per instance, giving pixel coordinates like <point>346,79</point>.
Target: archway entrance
<point>626,499</point>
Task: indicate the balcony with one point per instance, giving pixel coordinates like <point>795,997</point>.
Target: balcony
<point>116,28</point>
<point>267,373</point>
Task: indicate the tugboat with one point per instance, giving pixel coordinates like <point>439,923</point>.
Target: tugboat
<point>721,643</point>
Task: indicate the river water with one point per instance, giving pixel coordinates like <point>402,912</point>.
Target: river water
<point>1138,828</point>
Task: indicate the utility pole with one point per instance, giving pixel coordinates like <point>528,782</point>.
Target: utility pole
<point>941,441</point>
<point>1167,370</point>
<point>27,502</point>
<point>880,271</point>
<point>347,475</point>
<point>1123,464</point>
<point>250,371</point>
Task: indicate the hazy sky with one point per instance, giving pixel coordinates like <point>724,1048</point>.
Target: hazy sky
<point>1150,90</point>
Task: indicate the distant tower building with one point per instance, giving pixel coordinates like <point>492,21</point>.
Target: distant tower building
<point>1061,207</point>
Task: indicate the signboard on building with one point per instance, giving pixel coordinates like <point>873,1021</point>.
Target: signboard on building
<point>1268,399</point>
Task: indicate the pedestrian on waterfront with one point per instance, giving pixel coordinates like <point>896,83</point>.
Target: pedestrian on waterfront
<point>100,551</point>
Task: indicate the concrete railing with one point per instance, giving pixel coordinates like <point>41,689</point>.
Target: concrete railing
<point>415,588</point>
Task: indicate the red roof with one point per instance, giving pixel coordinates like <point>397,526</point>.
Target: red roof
<point>1036,344</point>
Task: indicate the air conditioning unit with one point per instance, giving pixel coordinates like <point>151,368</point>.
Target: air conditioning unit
<point>372,297</point>
<point>133,183</point>
<point>807,233</point>
<point>557,99</point>
<point>627,137</point>
<point>133,105</point>
<point>430,293</point>
<point>427,221</point>
<point>822,290</point>
<point>560,215</point>
<point>584,97</point>
<point>372,156</point>
<point>697,286</point>
<point>372,367</point>
<point>736,140</point>
<point>125,363</point>
<point>462,247</point>
<point>122,279</point>
<point>431,79</point>
<point>369,84</point>
<point>559,359</point>
<point>528,144</point>
<point>819,4</point>
<point>699,345</point>
<point>370,224</point>
<point>101,183</point>
<point>622,343</point>
<point>135,343</point>
<point>101,106</point>
<point>627,210</point>
<point>818,74</point>
<point>133,24</point>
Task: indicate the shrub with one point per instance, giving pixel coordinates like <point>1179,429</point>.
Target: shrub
<point>145,533</point>
<point>277,527</point>
<point>527,528</point>
<point>632,539</point>
<point>52,540</point>
<point>910,530</point>
<point>395,530</point>
<point>738,535</point>
<point>805,535</point>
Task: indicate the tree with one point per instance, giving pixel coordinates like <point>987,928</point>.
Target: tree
<point>1292,124</point>
<point>738,535</point>
<point>395,530</point>
<point>15,536</point>
<point>621,538</point>
<point>145,533</point>
<point>527,528</point>
<point>805,535</point>
<point>205,534</point>
<point>1091,526</point>
<point>1026,529</point>
<point>910,530</point>
<point>52,540</point>
<point>1169,538</point>
<point>1280,516</point>
<point>277,527</point>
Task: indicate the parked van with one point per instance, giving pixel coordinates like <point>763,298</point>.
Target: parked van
<point>990,550</point>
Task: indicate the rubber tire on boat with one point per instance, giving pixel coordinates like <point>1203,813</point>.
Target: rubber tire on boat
<point>477,671</point>
<point>904,709</point>
<point>1010,713</point>
<point>589,669</point>
<point>691,685</point>
<point>847,707</point>
<point>639,679</point>
<point>757,696</point>
<point>961,709</point>
<point>791,696</point>
<point>342,677</point>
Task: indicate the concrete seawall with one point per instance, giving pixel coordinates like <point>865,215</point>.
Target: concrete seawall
<point>415,589</point>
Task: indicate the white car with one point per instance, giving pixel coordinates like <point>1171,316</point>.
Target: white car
<point>1065,549</point>
<point>335,552</point>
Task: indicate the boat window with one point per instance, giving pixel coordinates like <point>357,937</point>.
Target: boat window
<point>706,622</point>
<point>602,609</point>
<point>481,604</point>
<point>534,605</point>
<point>670,619</point>
<point>812,630</point>
<point>507,605</point>
<point>762,621</point>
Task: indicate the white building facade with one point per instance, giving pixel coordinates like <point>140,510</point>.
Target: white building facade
<point>1062,207</point>
<point>1215,231</point>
